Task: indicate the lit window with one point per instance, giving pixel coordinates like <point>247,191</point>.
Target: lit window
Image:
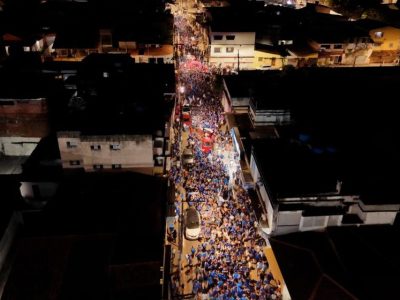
<point>115,146</point>
<point>116,166</point>
<point>217,50</point>
<point>217,37</point>
<point>230,37</point>
<point>95,147</point>
<point>72,144</point>
<point>338,46</point>
<point>98,167</point>
<point>325,46</point>
<point>74,162</point>
<point>378,34</point>
<point>229,49</point>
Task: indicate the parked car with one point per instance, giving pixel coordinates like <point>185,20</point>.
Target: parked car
<point>187,158</point>
<point>192,222</point>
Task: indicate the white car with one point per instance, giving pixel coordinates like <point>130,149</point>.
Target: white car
<point>192,223</point>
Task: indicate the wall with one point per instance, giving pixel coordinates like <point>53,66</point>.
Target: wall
<point>70,154</point>
<point>18,146</point>
<point>263,58</point>
<point>135,152</point>
<point>313,223</point>
<point>380,217</point>
<point>389,41</point>
<point>243,50</point>
<point>23,106</point>
<point>269,117</point>
<point>47,189</point>
<point>263,192</point>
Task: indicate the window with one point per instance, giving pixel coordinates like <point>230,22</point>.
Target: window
<point>116,166</point>
<point>74,162</point>
<point>217,37</point>
<point>230,37</point>
<point>325,46</point>
<point>337,46</point>
<point>217,50</point>
<point>72,144</point>
<point>378,34</point>
<point>229,49</point>
<point>159,161</point>
<point>95,147</point>
<point>273,61</point>
<point>158,143</point>
<point>106,75</point>
<point>260,59</point>
<point>115,146</point>
<point>97,167</point>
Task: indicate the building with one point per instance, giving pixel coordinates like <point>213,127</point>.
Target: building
<point>340,42</point>
<point>254,92</point>
<point>303,189</point>
<point>338,262</point>
<point>386,49</point>
<point>24,119</point>
<point>119,119</point>
<point>231,42</point>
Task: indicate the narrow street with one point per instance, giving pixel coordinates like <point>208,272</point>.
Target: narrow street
<point>228,259</point>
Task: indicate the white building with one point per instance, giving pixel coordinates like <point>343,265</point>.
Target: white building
<point>300,188</point>
<point>231,39</point>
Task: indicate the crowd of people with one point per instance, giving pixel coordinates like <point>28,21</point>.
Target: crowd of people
<point>229,262</point>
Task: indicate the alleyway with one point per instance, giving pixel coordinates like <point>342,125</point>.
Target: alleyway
<point>228,260</point>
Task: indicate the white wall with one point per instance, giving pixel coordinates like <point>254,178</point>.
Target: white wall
<point>380,217</point>
<point>313,223</point>
<point>136,151</point>
<point>47,189</point>
<point>243,48</point>
<point>18,146</point>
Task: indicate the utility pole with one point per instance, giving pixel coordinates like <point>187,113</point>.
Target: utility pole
<point>238,57</point>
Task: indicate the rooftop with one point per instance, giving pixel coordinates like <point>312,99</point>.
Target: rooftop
<point>116,96</point>
<point>263,87</point>
<point>338,263</point>
<point>295,169</point>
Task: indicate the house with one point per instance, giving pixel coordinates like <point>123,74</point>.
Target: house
<point>305,187</point>
<point>231,42</point>
<point>269,58</point>
<point>75,42</point>
<point>336,261</point>
<point>148,39</point>
<point>131,132</point>
<point>386,38</point>
<point>27,43</point>
<point>254,93</point>
<point>340,42</point>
